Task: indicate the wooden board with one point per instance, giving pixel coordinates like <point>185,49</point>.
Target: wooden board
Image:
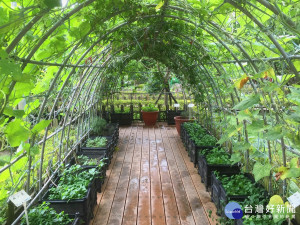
<point>152,181</point>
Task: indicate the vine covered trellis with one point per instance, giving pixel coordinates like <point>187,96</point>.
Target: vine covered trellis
<point>239,58</point>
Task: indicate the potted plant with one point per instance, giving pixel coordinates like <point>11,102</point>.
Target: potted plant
<point>150,115</point>
<point>184,117</point>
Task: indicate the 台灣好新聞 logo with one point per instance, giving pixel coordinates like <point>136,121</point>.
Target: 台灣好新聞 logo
<point>233,210</point>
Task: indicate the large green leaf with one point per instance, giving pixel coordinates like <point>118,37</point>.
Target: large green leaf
<point>16,133</point>
<point>274,133</point>
<point>9,111</point>
<point>235,158</point>
<point>10,68</point>
<point>41,126</point>
<point>248,102</point>
<point>260,171</point>
<point>241,146</point>
<point>257,126</point>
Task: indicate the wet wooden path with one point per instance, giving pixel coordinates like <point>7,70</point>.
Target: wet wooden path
<point>152,181</point>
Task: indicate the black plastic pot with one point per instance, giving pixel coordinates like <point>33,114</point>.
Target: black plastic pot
<point>205,169</point>
<point>124,119</point>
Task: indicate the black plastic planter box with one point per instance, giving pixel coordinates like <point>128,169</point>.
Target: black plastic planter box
<point>84,206</point>
<point>124,119</point>
<point>183,133</point>
<point>219,195</point>
<point>216,189</point>
<point>205,170</point>
<point>95,152</point>
<point>170,116</point>
<point>194,151</point>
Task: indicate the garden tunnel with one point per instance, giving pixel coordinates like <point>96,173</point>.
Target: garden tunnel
<point>239,59</point>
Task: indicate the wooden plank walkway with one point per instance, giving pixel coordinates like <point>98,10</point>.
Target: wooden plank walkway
<point>152,181</point>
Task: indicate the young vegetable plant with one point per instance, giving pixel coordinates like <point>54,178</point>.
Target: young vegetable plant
<point>73,183</point>
<point>86,161</point>
<point>206,140</point>
<point>98,142</point>
<point>43,214</point>
<point>217,156</point>
<point>239,185</point>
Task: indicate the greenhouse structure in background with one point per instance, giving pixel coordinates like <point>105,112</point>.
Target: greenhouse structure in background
<point>150,112</point>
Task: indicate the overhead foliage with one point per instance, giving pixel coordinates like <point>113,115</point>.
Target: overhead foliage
<point>57,63</point>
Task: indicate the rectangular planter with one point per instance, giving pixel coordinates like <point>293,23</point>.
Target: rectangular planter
<point>193,150</point>
<point>95,152</point>
<point>123,119</point>
<point>171,114</point>
<point>84,207</point>
<point>205,170</point>
<point>219,195</point>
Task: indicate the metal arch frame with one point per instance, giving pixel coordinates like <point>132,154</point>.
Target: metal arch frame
<point>137,18</point>
<point>111,31</point>
<point>168,6</point>
<point>52,112</point>
<point>89,2</point>
<point>272,38</point>
<point>66,17</point>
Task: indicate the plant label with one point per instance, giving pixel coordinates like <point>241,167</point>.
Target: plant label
<point>19,198</point>
<point>295,199</point>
